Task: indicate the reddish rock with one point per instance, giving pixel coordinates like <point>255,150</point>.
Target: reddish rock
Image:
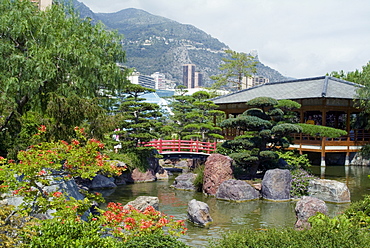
<point>307,207</point>
<point>218,168</point>
<point>136,176</point>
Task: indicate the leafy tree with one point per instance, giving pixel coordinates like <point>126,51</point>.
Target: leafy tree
<point>54,65</point>
<point>235,67</point>
<point>264,133</point>
<point>194,117</point>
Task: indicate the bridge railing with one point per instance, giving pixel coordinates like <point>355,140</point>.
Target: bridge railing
<point>182,146</point>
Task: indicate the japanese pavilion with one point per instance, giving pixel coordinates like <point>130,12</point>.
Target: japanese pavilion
<point>328,101</point>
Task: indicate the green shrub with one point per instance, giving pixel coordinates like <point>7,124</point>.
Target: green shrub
<point>365,151</point>
<point>67,233</point>
<point>294,159</point>
<point>154,241</point>
<point>300,182</point>
<point>319,237</point>
<point>198,181</point>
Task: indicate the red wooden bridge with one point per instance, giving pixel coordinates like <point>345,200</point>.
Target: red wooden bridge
<point>182,148</point>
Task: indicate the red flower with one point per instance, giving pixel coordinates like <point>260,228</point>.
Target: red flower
<point>57,194</point>
<point>42,128</point>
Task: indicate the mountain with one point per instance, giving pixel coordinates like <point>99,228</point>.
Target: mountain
<point>155,43</point>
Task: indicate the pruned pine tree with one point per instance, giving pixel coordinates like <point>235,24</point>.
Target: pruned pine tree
<point>264,132</point>
<point>195,117</point>
<point>136,120</point>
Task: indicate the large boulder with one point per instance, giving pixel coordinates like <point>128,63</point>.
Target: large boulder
<point>185,182</point>
<point>218,168</point>
<point>102,182</point>
<point>307,207</point>
<point>142,202</point>
<point>236,190</point>
<point>136,176</point>
<point>69,187</point>
<point>198,213</point>
<point>276,185</point>
<point>329,191</point>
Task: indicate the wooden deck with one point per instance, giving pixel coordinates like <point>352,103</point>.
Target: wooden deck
<point>352,142</point>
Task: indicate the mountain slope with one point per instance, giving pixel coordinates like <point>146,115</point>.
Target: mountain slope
<point>155,43</point>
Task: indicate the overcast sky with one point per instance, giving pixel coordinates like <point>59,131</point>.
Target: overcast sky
<point>298,38</point>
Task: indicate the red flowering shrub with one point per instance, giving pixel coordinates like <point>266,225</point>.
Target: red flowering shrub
<point>131,222</point>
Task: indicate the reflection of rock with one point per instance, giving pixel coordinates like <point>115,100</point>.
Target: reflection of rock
<point>359,160</point>
<point>162,174</point>
<point>105,192</point>
<point>307,207</point>
<point>236,190</point>
<point>217,170</point>
<point>185,182</point>
<point>329,190</point>
<point>142,202</point>
<point>198,213</point>
<point>276,185</point>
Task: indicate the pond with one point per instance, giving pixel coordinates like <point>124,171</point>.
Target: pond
<point>231,216</point>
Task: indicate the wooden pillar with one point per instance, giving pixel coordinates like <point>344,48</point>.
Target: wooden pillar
<point>347,162</point>
<point>323,163</point>
<point>348,121</point>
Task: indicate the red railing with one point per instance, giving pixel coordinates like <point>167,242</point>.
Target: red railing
<point>182,146</point>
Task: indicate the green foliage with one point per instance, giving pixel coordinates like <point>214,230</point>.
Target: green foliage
<point>365,151</point>
<point>67,233</point>
<point>136,120</point>
<point>198,181</point>
<point>154,241</point>
<point>263,135</point>
<point>262,102</point>
<point>321,131</point>
<point>235,68</point>
<point>318,237</point>
<point>300,181</point>
<point>57,65</point>
<point>359,212</point>
<point>194,117</point>
<point>294,159</point>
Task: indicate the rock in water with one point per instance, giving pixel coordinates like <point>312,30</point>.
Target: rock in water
<point>185,182</point>
<point>307,207</point>
<point>218,168</point>
<point>198,213</point>
<point>142,202</point>
<point>236,190</point>
<point>276,185</point>
<point>329,191</point>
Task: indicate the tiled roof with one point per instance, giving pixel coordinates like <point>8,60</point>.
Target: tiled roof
<point>317,87</point>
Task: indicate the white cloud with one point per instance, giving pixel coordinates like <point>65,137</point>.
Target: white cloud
<point>298,38</point>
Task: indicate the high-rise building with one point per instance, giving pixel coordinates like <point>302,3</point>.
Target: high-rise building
<point>188,76</point>
<point>191,78</point>
<point>198,80</point>
<point>249,82</point>
<point>43,4</point>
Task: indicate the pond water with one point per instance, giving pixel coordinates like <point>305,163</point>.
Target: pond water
<point>231,216</point>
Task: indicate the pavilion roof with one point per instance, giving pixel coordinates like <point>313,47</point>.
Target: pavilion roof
<point>316,87</point>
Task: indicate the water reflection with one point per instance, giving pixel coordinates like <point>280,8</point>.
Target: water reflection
<point>355,177</point>
<point>231,216</point>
